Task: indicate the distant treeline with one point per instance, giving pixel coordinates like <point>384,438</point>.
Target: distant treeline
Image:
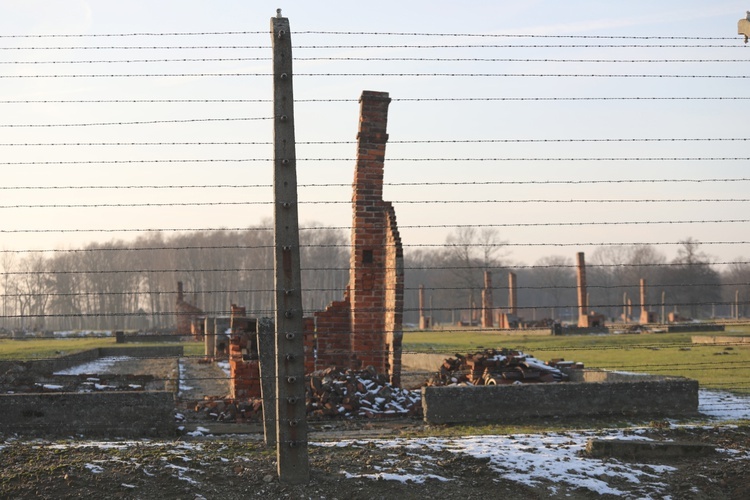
<point>133,284</point>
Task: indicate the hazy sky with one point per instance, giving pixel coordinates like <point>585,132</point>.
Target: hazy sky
<point>505,91</point>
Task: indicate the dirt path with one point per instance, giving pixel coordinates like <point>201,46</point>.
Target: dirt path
<point>199,380</point>
<point>162,369</point>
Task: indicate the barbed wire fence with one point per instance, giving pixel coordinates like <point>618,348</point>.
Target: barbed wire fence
<point>122,179</point>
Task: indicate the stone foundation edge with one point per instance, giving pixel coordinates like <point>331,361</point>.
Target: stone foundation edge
<point>643,396</point>
<point>102,414</point>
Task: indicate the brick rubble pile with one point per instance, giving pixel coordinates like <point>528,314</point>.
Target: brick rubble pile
<point>333,392</point>
<point>358,393</point>
<point>497,367</point>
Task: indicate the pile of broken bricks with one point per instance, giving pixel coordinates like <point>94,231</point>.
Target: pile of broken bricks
<point>229,410</point>
<point>497,367</point>
<point>358,393</point>
<point>331,393</point>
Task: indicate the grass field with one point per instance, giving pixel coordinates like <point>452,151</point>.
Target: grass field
<point>717,367</point>
<point>50,348</point>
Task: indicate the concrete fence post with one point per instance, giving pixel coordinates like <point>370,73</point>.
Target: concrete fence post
<point>291,426</point>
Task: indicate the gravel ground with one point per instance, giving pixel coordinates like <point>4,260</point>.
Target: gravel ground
<point>404,468</point>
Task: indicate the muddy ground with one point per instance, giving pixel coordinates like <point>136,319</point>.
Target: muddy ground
<point>229,466</point>
<point>242,467</point>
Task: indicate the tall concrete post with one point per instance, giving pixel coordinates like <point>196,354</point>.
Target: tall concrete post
<point>646,315</point>
<point>267,365</point>
<point>512,294</point>
<point>487,302</point>
<point>424,321</point>
<point>736,304</point>
<point>625,301</point>
<point>291,426</point>
<point>209,336</point>
<point>583,306</point>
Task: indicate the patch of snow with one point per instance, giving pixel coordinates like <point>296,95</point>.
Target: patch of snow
<point>401,478</point>
<point>552,459</point>
<point>95,469</point>
<point>722,405</point>
<point>181,380</point>
<point>83,333</point>
<point>199,431</point>
<point>51,387</point>
<point>224,365</point>
<point>181,471</point>
<point>101,365</point>
<point>102,445</point>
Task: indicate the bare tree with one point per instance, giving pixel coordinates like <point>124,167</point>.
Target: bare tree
<point>33,290</point>
<point>554,275</point>
<point>695,285</point>
<point>468,254</point>
<point>736,285</point>
<point>66,282</point>
<point>9,282</point>
<point>616,271</point>
<point>325,263</point>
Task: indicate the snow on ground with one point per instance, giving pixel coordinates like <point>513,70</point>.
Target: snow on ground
<point>224,365</point>
<point>82,333</point>
<point>551,459</point>
<point>722,405</point>
<point>51,387</point>
<point>532,459</point>
<point>173,451</point>
<point>99,366</point>
<point>181,382</point>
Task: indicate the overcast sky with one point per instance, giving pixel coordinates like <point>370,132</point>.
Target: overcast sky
<point>497,97</point>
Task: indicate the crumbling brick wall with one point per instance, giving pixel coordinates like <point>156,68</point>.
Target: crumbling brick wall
<point>394,298</point>
<point>332,342</point>
<point>244,367</point>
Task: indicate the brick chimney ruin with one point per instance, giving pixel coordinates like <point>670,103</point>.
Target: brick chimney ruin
<point>365,329</point>
<point>646,315</point>
<point>488,306</point>
<point>586,319</point>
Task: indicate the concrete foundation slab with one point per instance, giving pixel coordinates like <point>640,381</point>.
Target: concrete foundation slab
<point>641,449</point>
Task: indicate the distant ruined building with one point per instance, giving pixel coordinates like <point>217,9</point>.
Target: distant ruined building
<point>186,313</point>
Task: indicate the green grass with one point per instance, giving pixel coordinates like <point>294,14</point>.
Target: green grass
<point>717,367</point>
<point>50,348</point>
